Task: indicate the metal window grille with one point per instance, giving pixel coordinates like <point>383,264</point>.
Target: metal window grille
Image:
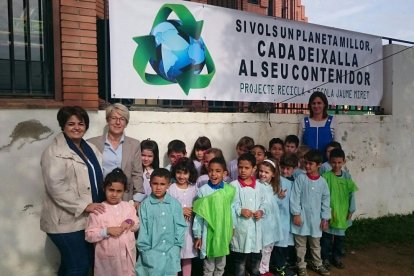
<point>26,49</point>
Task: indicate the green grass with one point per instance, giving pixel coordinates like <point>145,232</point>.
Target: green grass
<point>397,229</point>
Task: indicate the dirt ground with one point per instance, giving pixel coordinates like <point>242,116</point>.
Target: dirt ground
<point>377,260</point>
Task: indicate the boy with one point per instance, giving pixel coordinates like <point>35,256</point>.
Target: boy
<point>342,205</point>
<point>309,206</point>
<point>302,150</point>
<point>284,254</point>
<point>213,226</point>
<point>244,145</point>
<point>175,150</point>
<point>161,234</point>
<point>326,167</point>
<point>248,208</point>
<point>291,143</point>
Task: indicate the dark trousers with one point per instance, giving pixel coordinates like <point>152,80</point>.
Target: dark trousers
<point>239,262</point>
<point>278,257</point>
<point>75,253</point>
<point>331,246</point>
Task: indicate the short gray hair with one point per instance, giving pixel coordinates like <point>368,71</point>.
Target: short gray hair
<point>119,108</point>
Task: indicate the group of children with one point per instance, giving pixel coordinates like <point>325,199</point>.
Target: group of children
<point>242,216</point>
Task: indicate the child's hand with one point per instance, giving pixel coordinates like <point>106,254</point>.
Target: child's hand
<point>258,214</point>
<point>282,193</point>
<point>198,243</point>
<point>349,217</point>
<point>115,231</point>
<point>297,220</point>
<point>246,213</point>
<point>188,213</point>
<point>126,225</point>
<point>324,224</point>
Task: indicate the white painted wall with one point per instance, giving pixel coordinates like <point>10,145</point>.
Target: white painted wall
<point>379,150</point>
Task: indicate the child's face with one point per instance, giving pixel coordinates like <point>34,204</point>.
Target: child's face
<point>147,157</point>
<point>259,154</point>
<point>159,186</point>
<point>182,177</point>
<point>114,193</point>
<point>215,173</point>
<point>290,147</point>
<point>245,169</point>
<point>174,156</point>
<point>265,173</point>
<point>328,151</point>
<point>276,151</point>
<point>241,150</point>
<point>337,163</point>
<point>207,158</point>
<point>287,171</point>
<point>199,153</point>
<point>312,167</point>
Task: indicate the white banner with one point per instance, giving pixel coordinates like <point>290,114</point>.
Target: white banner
<point>189,51</point>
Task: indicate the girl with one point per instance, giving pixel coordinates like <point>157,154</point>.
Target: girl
<point>259,153</point>
<point>208,155</point>
<point>197,154</point>
<point>113,231</point>
<point>185,191</point>
<point>150,161</point>
<point>268,174</point>
<point>276,148</point>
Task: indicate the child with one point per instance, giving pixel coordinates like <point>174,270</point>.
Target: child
<point>259,153</point>
<point>342,191</point>
<point>291,143</point>
<point>212,227</point>
<point>161,235</point>
<point>302,150</point>
<point>284,253</point>
<point>208,155</point>
<point>326,167</point>
<point>276,148</point>
<point>185,192</point>
<point>268,174</point>
<point>249,208</point>
<point>197,154</point>
<point>150,161</point>
<point>309,206</point>
<point>113,231</point>
<point>175,150</point>
<point>245,144</point>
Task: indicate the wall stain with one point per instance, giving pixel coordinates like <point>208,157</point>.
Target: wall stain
<point>31,130</point>
<point>345,136</point>
<point>26,207</point>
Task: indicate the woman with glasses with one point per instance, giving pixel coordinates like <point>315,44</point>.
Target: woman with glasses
<point>121,151</point>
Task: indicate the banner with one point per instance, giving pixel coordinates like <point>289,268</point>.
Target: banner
<point>189,51</point>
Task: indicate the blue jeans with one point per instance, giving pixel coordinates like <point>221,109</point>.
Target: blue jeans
<point>239,261</point>
<point>75,253</point>
<point>331,246</point>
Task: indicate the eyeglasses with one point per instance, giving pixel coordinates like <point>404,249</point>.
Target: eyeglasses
<point>116,119</point>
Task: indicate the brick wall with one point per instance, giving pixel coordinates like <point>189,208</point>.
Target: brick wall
<point>79,53</point>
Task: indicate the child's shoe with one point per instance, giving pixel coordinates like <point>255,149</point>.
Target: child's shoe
<point>337,262</point>
<point>267,274</point>
<point>321,270</point>
<point>302,272</point>
<point>326,264</point>
<point>284,271</point>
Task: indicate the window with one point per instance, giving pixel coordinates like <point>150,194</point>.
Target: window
<point>26,49</point>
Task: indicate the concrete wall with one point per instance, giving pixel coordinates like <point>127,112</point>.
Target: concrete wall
<point>379,151</point>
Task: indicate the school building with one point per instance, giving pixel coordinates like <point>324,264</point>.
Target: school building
<point>52,53</point>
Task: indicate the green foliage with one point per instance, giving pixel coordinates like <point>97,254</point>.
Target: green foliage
<point>397,229</point>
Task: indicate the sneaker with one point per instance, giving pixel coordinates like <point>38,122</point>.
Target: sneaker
<point>302,272</point>
<point>326,264</point>
<point>320,269</point>
<point>337,262</point>
<point>284,271</point>
<point>266,274</point>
